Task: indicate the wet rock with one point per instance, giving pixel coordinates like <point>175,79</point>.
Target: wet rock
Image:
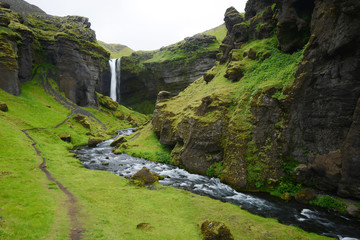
<point>305,195</point>
<point>212,230</point>
<point>144,175</point>
<point>144,226</point>
<point>3,107</point>
<point>118,141</point>
<point>105,163</point>
<point>353,210</point>
<point>92,142</point>
<point>66,137</point>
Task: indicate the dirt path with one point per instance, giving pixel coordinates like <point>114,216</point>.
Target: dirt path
<point>76,228</point>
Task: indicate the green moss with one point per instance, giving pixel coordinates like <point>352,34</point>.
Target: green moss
<point>329,202</point>
<point>215,170</point>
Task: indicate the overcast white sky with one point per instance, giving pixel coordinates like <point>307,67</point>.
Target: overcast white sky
<point>144,24</point>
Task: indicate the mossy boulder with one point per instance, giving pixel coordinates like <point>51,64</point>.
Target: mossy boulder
<point>66,137</point>
<point>82,120</point>
<point>92,142</point>
<point>144,175</point>
<point>305,195</point>
<point>3,107</point>
<point>118,141</point>
<point>212,230</point>
<point>353,210</point>
<point>234,72</point>
<point>107,102</point>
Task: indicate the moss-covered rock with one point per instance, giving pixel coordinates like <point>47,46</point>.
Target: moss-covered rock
<point>92,142</point>
<point>305,195</point>
<point>118,141</point>
<point>3,107</point>
<point>145,176</point>
<point>82,120</point>
<point>212,230</point>
<point>66,137</point>
<point>107,102</point>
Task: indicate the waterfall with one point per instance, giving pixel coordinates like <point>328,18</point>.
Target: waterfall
<point>115,78</point>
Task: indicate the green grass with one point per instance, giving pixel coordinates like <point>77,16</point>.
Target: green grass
<point>219,32</point>
<point>116,50</point>
<point>31,207</point>
<point>144,144</point>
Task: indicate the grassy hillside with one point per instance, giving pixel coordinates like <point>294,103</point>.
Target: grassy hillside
<point>116,50</point>
<point>219,32</point>
<point>32,207</point>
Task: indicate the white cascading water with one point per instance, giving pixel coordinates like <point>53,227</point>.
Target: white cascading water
<point>115,78</point>
<point>118,62</point>
<point>112,63</point>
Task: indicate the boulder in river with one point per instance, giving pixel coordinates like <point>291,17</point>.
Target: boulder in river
<point>92,142</point>
<point>212,230</point>
<point>353,210</point>
<point>305,195</point>
<point>118,141</point>
<point>144,175</point>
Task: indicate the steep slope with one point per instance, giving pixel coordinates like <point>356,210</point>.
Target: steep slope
<point>171,68</point>
<point>23,7</point>
<point>68,43</point>
<point>116,50</point>
<point>284,94</point>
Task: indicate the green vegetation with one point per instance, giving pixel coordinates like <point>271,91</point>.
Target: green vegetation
<point>329,202</point>
<point>215,170</point>
<point>219,32</point>
<point>31,207</point>
<point>144,144</point>
<point>116,50</point>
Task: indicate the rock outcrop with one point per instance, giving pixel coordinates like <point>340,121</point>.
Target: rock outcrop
<point>68,43</point>
<point>249,134</point>
<point>172,68</point>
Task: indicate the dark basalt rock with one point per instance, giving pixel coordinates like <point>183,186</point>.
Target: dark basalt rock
<point>324,115</point>
<point>293,29</point>
<point>254,7</point>
<point>140,84</point>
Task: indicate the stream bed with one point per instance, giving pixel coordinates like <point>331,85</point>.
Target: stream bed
<point>309,218</point>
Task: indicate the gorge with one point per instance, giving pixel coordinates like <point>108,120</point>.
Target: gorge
<point>266,104</point>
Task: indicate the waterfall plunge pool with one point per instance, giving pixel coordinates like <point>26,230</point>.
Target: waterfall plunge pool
<point>309,218</point>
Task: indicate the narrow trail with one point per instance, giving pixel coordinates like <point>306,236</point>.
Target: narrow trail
<point>76,228</point>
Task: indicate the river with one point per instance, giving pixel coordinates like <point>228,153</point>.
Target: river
<point>309,218</point>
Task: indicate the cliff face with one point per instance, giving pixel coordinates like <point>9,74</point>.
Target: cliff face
<point>66,42</point>
<point>273,104</point>
<point>172,68</point>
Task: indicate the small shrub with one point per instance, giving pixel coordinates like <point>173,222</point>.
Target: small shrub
<point>328,202</point>
<point>215,170</point>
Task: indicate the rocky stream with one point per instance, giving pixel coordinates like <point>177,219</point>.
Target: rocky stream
<point>307,217</point>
